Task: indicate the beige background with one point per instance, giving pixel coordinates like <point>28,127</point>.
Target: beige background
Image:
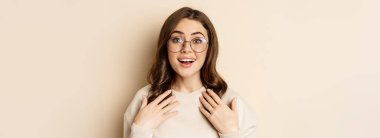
<point>310,68</point>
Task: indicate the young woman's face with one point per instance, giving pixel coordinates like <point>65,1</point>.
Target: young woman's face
<point>187,60</point>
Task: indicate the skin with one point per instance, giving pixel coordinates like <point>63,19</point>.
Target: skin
<point>221,116</point>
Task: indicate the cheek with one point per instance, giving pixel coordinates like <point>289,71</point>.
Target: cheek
<point>172,57</point>
<point>201,57</point>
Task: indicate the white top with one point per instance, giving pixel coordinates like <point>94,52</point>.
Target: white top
<point>189,122</point>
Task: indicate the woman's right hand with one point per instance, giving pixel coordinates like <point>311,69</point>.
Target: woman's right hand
<point>153,114</point>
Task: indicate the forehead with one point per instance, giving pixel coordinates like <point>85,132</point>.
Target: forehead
<point>189,27</point>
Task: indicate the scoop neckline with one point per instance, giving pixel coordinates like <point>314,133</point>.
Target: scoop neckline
<point>190,93</point>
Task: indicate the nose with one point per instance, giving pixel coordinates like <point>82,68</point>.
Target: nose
<point>186,48</point>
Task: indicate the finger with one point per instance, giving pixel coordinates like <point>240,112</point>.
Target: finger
<point>166,102</point>
<point>206,104</point>
<point>170,107</point>
<point>214,96</point>
<point>209,99</point>
<point>161,97</point>
<point>204,111</point>
<point>234,104</point>
<point>170,114</point>
<point>144,102</point>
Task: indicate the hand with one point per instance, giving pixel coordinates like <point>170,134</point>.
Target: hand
<point>156,112</point>
<point>224,119</point>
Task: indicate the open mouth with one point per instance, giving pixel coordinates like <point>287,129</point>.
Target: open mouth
<point>187,60</point>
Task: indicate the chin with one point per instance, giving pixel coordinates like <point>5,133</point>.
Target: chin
<point>186,74</point>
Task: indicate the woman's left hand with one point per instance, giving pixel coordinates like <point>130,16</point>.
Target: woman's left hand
<point>222,117</point>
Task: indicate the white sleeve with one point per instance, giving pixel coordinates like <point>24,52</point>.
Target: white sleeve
<point>131,130</point>
<point>247,121</point>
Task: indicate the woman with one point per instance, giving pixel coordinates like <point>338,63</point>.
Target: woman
<point>186,97</point>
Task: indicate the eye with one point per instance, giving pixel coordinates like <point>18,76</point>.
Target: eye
<point>177,40</point>
<point>198,40</point>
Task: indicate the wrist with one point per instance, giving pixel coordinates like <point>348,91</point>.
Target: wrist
<point>232,134</point>
<point>143,125</point>
<point>229,131</point>
<point>139,131</point>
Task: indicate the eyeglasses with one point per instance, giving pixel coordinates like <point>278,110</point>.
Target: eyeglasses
<point>198,44</point>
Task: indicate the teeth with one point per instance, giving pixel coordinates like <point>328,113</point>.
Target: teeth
<point>186,60</point>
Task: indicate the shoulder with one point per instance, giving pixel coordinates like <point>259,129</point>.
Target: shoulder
<point>241,101</point>
<point>230,94</point>
<point>138,95</point>
<point>243,106</point>
<point>143,91</point>
<point>136,101</point>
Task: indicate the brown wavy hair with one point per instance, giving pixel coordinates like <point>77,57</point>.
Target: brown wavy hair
<point>161,76</point>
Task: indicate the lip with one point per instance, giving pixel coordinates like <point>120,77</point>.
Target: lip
<point>186,65</point>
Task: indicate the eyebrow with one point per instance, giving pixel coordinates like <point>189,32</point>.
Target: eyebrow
<point>175,31</point>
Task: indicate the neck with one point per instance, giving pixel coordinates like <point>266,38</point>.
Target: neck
<point>187,84</point>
